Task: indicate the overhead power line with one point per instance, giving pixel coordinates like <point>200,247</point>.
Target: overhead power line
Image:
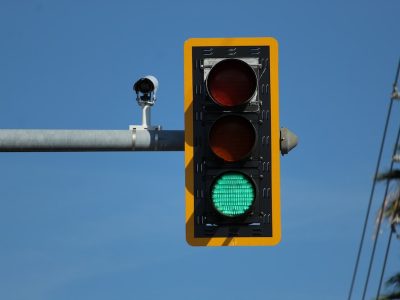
<point>395,95</point>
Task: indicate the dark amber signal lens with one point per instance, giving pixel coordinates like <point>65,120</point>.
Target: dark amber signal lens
<point>231,82</point>
<point>232,138</point>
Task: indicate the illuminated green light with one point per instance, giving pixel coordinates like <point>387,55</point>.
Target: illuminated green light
<point>232,194</point>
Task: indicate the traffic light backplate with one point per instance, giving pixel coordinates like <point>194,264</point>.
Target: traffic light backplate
<point>232,142</point>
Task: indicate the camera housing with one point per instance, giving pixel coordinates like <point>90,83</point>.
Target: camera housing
<point>146,89</point>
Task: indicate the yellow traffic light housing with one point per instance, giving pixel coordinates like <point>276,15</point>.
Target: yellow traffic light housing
<point>232,142</point>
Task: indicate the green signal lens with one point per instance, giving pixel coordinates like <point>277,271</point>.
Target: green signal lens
<point>232,194</point>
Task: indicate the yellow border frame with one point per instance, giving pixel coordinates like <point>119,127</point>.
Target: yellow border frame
<point>275,142</point>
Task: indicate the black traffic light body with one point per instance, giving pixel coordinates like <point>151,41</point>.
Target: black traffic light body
<point>232,142</point>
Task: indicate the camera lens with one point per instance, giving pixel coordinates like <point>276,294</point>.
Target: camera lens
<point>144,85</point>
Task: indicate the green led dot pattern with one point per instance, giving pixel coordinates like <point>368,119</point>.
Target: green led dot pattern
<point>232,194</point>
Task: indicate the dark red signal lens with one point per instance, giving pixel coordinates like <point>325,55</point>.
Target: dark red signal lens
<point>232,138</point>
<point>231,82</point>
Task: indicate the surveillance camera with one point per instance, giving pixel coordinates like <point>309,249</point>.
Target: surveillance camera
<point>146,85</point>
<point>146,88</point>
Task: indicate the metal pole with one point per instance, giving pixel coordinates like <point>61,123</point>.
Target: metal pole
<point>36,140</point>
<point>146,116</point>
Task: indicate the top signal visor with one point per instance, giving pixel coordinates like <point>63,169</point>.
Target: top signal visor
<point>231,83</point>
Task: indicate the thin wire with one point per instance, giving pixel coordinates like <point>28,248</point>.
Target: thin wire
<point>383,202</point>
<point>372,189</point>
<point>393,230</point>
<point>370,201</point>
<point>397,76</point>
<point>385,261</point>
<point>371,260</point>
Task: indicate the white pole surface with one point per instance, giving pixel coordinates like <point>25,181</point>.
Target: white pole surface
<point>37,140</point>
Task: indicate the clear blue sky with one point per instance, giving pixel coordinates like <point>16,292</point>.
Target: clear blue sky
<point>111,225</point>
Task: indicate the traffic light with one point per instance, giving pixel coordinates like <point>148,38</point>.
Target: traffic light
<point>232,142</point>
